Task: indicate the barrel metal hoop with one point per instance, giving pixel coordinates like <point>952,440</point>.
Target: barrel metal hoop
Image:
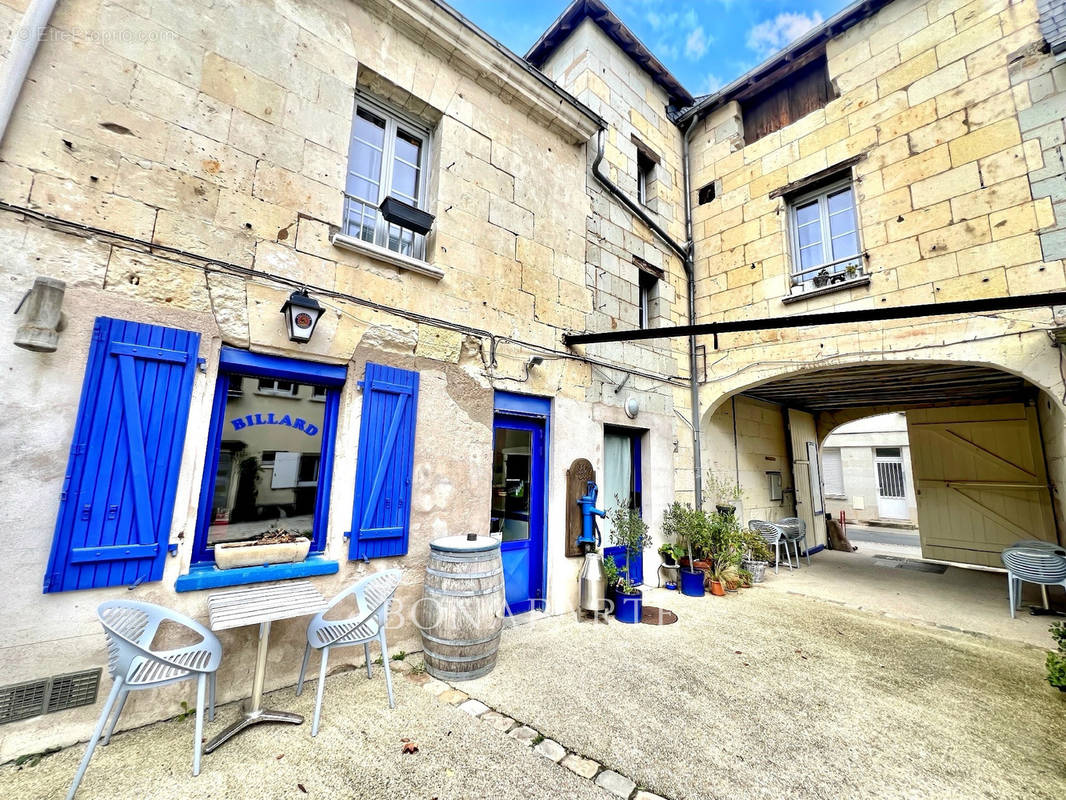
<point>447,675</point>
<point>460,659</point>
<point>463,575</point>
<point>445,593</point>
<point>452,559</point>
<point>461,642</point>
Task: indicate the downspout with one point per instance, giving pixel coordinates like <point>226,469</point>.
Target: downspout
<point>24,42</point>
<point>686,254</point>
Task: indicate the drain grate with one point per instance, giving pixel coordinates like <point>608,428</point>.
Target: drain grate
<point>44,696</point>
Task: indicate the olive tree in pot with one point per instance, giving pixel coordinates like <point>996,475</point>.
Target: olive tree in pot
<point>628,530</point>
<point>687,527</point>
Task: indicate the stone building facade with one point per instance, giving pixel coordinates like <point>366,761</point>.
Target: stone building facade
<point>173,171</point>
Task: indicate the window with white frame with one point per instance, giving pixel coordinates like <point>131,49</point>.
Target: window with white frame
<point>648,289</point>
<point>387,158</point>
<point>825,236</point>
<point>277,388</point>
<point>833,471</point>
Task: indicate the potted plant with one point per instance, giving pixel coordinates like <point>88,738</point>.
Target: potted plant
<point>723,575</point>
<point>822,278</point>
<point>680,522</point>
<point>1056,662</point>
<point>745,578</point>
<point>272,546</point>
<point>610,579</point>
<point>728,495</point>
<point>629,531</point>
<point>757,555</point>
<point>851,270</point>
<point>671,553</point>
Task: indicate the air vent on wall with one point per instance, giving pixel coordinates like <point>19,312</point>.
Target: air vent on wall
<point>44,696</point>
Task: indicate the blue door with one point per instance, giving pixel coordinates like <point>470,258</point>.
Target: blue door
<point>518,507</point>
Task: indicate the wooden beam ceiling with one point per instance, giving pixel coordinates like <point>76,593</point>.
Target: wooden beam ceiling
<point>900,385</point>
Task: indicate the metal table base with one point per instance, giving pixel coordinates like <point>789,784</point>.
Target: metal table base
<point>254,713</point>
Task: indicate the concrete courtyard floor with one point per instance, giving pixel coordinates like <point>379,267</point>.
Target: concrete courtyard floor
<point>762,694</point>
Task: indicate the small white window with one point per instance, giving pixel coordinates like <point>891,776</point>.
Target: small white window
<point>649,286</point>
<point>645,176</point>
<point>277,388</point>
<point>825,237</point>
<point>318,394</point>
<point>833,471</point>
<point>388,157</point>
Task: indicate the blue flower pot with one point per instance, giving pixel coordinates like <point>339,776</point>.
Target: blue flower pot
<point>629,607</point>
<point>692,582</point>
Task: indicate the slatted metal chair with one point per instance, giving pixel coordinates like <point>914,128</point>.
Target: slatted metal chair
<point>134,666</point>
<point>795,532</point>
<point>774,537</point>
<point>1043,564</point>
<point>372,596</point>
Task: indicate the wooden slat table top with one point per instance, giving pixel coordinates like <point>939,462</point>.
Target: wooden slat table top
<point>257,604</point>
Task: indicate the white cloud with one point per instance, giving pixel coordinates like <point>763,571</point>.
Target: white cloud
<point>696,43</point>
<point>771,35</point>
<point>712,84</point>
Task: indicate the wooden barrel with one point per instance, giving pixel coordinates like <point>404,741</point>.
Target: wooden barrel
<point>461,611</point>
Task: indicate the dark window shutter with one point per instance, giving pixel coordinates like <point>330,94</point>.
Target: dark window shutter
<point>381,517</point>
<point>118,496</point>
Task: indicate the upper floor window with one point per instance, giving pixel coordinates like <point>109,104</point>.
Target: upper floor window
<point>649,286</point>
<point>645,171</point>
<point>790,98</point>
<point>386,185</point>
<point>825,236</point>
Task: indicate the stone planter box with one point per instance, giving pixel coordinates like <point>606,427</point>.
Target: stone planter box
<point>230,555</point>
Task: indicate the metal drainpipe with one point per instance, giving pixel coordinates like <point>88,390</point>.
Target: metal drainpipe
<point>23,48</point>
<point>685,253</point>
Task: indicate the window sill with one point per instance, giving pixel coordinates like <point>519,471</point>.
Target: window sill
<point>356,245</point>
<point>862,280</point>
<point>208,576</point>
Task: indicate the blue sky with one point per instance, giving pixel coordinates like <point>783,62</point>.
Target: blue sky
<point>705,43</point>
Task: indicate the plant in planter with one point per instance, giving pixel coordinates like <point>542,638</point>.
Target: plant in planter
<point>821,279</point>
<point>628,530</point>
<point>272,546</point>
<point>745,578</point>
<point>851,270</point>
<point>757,554</point>
<point>688,528</point>
<point>727,493</point>
<point>671,553</point>
<point>610,577</point>
<point>723,576</point>
<point>1056,662</point>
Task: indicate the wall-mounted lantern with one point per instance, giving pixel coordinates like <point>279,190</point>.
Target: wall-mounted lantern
<point>41,316</point>
<point>301,315</point>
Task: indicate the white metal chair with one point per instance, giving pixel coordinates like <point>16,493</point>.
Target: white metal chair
<point>774,537</point>
<point>795,530</point>
<point>1042,563</point>
<point>372,596</point>
<point>130,628</point>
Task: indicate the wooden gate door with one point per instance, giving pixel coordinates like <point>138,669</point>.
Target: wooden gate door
<point>980,479</point>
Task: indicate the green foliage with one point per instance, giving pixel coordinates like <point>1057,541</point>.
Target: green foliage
<point>756,546</point>
<point>726,541</point>
<point>610,572</point>
<point>690,528</point>
<point>722,489</point>
<point>628,530</point>
<point>400,656</point>
<point>1056,662</point>
<point>33,759</point>
<point>185,711</point>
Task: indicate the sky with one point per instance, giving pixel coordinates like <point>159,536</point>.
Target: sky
<point>704,43</point>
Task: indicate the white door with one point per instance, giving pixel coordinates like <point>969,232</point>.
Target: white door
<point>891,486</point>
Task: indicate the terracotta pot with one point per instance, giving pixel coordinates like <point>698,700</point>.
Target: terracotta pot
<point>717,588</point>
<point>702,564</point>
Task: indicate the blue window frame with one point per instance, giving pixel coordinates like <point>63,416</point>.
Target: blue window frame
<point>234,364</point>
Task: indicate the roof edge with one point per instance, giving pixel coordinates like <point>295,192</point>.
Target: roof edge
<point>598,12</point>
<point>846,18</point>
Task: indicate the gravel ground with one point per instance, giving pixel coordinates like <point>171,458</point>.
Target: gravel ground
<point>763,695</point>
<point>356,754</point>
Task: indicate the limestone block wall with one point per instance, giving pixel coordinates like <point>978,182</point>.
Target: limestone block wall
<point>596,71</point>
<point>945,150</point>
<point>173,170</point>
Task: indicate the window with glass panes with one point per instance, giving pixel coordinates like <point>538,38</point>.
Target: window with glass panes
<point>825,233</point>
<point>387,156</point>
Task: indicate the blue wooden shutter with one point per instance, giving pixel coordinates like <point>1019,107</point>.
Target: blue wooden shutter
<point>118,496</point>
<point>636,562</point>
<point>381,517</point>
